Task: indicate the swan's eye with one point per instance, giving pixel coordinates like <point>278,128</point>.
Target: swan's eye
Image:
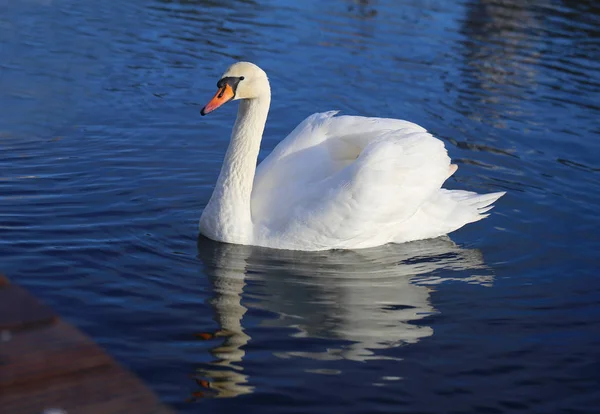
<point>242,78</point>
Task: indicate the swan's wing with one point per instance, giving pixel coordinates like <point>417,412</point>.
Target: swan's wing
<point>334,138</point>
<point>336,180</point>
<point>300,158</point>
<point>365,203</point>
<point>316,149</point>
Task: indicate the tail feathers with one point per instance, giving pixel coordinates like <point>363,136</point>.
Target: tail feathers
<point>447,212</point>
<point>481,203</point>
<point>485,209</point>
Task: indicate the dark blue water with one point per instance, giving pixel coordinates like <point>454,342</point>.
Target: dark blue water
<point>106,165</point>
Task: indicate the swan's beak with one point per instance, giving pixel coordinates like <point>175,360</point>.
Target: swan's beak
<point>223,95</point>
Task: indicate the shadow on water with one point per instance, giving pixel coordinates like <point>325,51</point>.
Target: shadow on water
<point>367,300</point>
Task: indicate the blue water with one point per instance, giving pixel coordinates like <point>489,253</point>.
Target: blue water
<point>106,165</point>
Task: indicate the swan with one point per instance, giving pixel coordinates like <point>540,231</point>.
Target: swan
<point>336,182</point>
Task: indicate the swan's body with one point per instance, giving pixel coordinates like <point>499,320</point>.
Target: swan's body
<point>336,182</point>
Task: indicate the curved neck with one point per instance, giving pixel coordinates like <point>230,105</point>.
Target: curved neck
<point>227,216</point>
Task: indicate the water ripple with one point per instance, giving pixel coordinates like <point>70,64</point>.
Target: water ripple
<point>106,167</point>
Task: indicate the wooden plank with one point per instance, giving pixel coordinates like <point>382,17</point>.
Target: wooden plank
<point>99,391</point>
<point>48,351</point>
<point>46,363</point>
<point>20,310</point>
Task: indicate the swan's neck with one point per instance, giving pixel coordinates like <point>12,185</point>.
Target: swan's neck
<point>228,216</point>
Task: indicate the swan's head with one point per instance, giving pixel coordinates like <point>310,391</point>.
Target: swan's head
<point>243,80</point>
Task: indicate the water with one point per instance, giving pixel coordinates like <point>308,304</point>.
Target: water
<point>106,166</point>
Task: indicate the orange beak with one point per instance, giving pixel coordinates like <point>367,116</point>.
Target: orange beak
<point>223,95</point>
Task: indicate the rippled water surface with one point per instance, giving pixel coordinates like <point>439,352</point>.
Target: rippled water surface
<point>106,165</point>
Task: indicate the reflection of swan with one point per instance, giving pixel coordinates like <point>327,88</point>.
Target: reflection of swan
<point>367,298</point>
<point>227,277</point>
<point>342,182</point>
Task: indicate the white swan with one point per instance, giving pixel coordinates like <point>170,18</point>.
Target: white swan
<point>344,182</point>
